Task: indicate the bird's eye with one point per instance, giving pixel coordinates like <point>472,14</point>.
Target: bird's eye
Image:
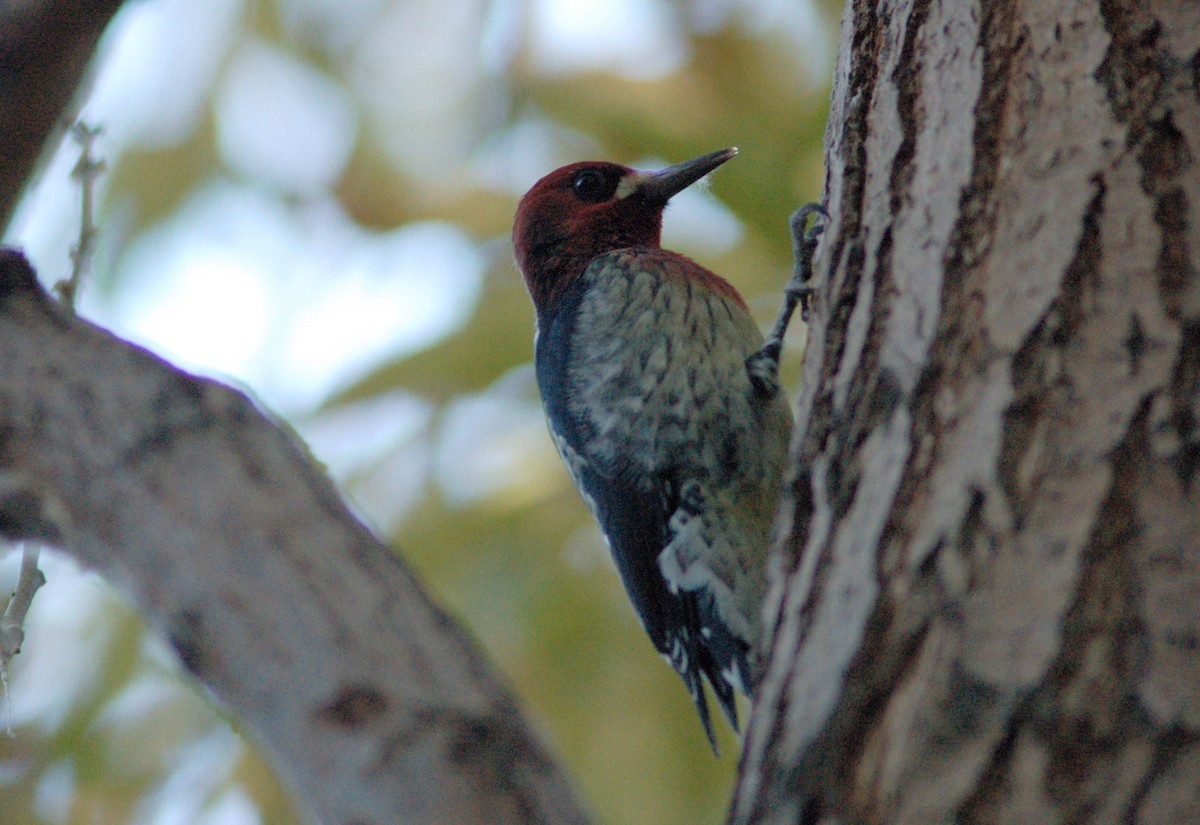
<point>591,186</point>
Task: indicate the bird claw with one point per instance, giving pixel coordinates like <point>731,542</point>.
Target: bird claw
<point>763,369</point>
<point>804,246</point>
<point>800,218</point>
<point>763,366</point>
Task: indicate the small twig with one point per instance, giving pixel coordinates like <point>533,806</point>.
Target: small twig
<point>86,171</point>
<point>12,623</point>
<point>31,578</point>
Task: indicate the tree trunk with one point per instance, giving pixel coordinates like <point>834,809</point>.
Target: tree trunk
<point>989,601</point>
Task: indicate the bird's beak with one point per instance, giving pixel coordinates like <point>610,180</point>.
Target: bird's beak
<point>664,184</point>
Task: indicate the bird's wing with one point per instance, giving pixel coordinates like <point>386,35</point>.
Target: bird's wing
<point>632,513</point>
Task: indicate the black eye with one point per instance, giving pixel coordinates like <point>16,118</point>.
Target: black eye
<point>592,186</point>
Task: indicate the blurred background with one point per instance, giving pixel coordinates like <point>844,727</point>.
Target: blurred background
<point>311,200</point>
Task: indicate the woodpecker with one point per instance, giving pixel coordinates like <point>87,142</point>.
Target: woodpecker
<point>664,403</point>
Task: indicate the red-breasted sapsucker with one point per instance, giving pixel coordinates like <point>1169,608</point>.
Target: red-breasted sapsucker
<point>665,408</point>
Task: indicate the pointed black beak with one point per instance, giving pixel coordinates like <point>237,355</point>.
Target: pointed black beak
<point>664,184</point>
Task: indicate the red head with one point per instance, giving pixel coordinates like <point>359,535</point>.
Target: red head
<point>583,210</point>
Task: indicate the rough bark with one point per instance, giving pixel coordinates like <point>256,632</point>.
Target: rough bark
<point>987,605</point>
<point>371,701</point>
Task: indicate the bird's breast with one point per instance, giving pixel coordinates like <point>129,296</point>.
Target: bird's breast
<point>654,367</point>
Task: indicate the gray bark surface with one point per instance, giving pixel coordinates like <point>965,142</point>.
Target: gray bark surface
<point>372,703</point>
<point>986,604</point>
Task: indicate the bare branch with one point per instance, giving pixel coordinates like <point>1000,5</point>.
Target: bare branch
<point>371,700</point>
<point>86,171</point>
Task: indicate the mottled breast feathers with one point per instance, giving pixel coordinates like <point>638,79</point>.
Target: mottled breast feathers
<point>642,368</point>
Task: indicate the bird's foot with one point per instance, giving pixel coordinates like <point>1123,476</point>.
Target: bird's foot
<point>763,366</point>
<point>804,248</point>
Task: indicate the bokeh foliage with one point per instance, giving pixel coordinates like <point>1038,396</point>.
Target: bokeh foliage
<point>517,560</point>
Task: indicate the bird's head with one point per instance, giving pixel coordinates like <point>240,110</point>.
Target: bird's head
<point>583,210</point>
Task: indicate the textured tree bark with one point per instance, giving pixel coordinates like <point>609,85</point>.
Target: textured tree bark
<point>372,701</point>
<point>987,603</point>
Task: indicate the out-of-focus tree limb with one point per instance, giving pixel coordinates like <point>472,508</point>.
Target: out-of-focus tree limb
<point>375,705</point>
<point>372,701</point>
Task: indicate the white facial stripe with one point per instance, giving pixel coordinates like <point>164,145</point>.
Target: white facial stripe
<point>630,184</point>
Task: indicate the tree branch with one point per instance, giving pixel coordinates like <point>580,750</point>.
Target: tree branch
<point>371,700</point>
